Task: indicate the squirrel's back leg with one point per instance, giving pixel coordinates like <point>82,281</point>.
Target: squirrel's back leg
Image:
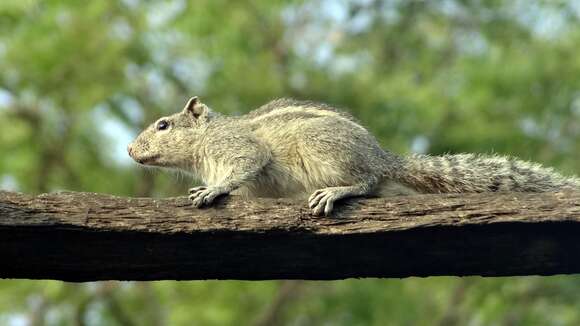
<point>322,200</point>
<point>340,159</point>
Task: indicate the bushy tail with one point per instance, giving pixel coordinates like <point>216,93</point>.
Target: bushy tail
<point>477,173</point>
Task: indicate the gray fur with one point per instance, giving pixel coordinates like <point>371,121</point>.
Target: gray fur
<point>290,148</point>
<point>477,173</point>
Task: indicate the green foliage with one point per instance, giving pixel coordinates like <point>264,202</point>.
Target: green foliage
<point>79,79</point>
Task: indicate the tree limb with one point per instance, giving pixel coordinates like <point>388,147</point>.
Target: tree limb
<point>89,237</point>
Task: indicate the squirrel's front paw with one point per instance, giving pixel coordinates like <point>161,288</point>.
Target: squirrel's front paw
<point>201,196</point>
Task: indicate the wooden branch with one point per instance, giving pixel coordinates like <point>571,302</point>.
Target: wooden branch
<point>89,237</point>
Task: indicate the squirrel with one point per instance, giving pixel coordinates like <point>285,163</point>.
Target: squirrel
<point>303,149</point>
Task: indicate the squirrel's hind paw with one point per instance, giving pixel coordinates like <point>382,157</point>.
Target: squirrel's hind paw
<point>322,201</point>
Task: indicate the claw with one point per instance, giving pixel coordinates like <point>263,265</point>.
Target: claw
<point>323,203</point>
<point>203,195</point>
<point>328,207</point>
<point>322,200</point>
<point>315,200</point>
<point>315,194</point>
<point>196,189</point>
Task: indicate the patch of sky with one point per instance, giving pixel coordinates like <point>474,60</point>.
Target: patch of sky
<point>420,144</point>
<point>359,22</point>
<point>17,320</point>
<point>338,12</point>
<point>132,71</point>
<point>546,20</point>
<point>157,84</point>
<point>164,46</point>
<point>530,127</point>
<point>470,42</point>
<point>574,6</point>
<point>133,4</point>
<point>117,134</point>
<point>554,132</point>
<point>323,53</point>
<point>9,183</point>
<point>344,64</point>
<point>6,99</point>
<point>163,12</point>
<point>312,38</point>
<point>155,80</point>
<point>121,30</point>
<point>316,38</point>
<point>131,109</point>
<point>334,10</point>
<point>450,8</point>
<point>193,71</point>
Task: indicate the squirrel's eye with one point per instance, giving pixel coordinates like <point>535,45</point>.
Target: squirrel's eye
<point>162,125</point>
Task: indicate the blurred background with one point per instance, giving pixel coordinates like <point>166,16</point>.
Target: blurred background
<point>79,79</point>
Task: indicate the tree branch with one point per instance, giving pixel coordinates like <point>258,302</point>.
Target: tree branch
<point>89,237</point>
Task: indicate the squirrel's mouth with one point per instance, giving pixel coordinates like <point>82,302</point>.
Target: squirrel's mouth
<point>147,159</point>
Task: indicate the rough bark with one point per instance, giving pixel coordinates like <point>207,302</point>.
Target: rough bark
<point>88,237</point>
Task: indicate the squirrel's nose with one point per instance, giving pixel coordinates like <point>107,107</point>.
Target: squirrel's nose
<point>130,150</point>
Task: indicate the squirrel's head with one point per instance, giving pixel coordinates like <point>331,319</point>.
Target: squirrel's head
<point>165,142</point>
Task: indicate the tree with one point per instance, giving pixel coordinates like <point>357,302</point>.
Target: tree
<point>78,80</point>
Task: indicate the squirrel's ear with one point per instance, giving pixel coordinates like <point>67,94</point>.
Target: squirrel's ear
<point>195,108</point>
